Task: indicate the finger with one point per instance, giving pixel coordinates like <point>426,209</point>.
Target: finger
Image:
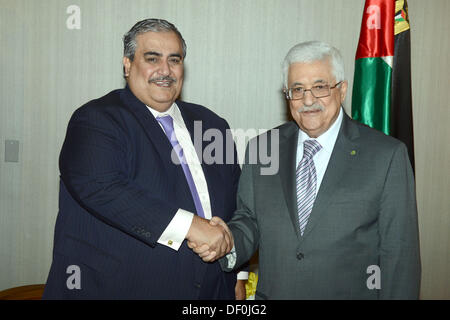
<point>230,239</point>
<point>210,257</point>
<point>222,223</point>
<point>216,220</point>
<point>191,244</point>
<point>231,243</point>
<point>218,241</point>
<point>222,249</point>
<point>228,231</point>
<point>201,249</point>
<point>205,253</point>
<point>227,242</point>
<point>229,236</point>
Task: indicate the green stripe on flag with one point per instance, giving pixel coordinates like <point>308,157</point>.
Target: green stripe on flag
<point>371,95</point>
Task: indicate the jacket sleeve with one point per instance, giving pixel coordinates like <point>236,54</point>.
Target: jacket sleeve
<point>94,169</point>
<point>398,227</point>
<point>243,224</point>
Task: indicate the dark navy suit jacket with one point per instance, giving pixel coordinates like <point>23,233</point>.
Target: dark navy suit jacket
<point>119,190</point>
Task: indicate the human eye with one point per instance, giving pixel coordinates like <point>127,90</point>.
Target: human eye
<point>297,89</point>
<point>152,59</point>
<point>321,87</point>
<point>175,60</point>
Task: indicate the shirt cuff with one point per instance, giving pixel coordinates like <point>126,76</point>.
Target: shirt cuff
<point>242,275</point>
<point>175,233</point>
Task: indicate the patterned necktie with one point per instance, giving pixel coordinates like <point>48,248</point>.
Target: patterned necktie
<point>167,123</point>
<point>306,182</point>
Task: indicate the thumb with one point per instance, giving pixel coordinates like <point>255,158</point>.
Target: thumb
<point>191,244</point>
<point>215,221</point>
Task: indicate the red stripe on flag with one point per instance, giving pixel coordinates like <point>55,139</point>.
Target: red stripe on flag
<point>377,29</point>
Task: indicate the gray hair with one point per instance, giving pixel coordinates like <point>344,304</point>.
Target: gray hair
<point>154,25</point>
<point>314,51</point>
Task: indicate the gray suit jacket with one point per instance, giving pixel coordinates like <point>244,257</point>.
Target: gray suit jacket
<point>364,218</point>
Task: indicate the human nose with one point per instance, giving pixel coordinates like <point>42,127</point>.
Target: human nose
<point>164,68</point>
<point>308,98</point>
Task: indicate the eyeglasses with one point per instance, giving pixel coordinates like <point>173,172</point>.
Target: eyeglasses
<point>318,91</point>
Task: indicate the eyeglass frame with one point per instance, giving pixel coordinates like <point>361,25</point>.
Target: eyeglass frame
<point>286,92</point>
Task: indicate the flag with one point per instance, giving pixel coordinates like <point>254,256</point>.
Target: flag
<point>401,111</point>
<point>381,95</point>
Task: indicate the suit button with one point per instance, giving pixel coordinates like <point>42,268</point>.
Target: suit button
<point>300,256</point>
<point>197,285</point>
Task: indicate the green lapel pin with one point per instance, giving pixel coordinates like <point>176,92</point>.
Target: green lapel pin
<point>353,152</point>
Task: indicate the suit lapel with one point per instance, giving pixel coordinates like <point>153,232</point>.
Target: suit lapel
<point>189,118</point>
<point>153,132</point>
<point>288,155</point>
<point>341,161</point>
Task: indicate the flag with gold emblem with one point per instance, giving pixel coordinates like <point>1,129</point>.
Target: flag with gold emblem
<point>381,95</point>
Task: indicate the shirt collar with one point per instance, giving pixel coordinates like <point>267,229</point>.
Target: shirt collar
<point>173,111</point>
<point>328,138</point>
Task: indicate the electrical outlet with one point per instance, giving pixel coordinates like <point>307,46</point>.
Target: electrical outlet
<point>11,150</point>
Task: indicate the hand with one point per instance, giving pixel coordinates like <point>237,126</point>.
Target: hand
<point>217,221</point>
<point>239,290</point>
<point>204,251</point>
<point>209,239</point>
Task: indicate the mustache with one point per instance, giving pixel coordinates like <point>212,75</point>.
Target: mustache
<point>314,107</point>
<point>164,78</point>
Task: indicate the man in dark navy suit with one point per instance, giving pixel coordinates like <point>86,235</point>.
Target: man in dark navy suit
<point>134,186</point>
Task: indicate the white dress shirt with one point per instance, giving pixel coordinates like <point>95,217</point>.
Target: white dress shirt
<point>327,140</point>
<point>175,233</point>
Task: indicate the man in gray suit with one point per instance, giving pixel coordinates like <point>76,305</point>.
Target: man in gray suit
<point>339,218</point>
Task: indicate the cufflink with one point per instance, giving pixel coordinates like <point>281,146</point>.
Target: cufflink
<point>170,242</point>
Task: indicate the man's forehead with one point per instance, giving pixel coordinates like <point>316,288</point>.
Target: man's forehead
<point>157,41</point>
<point>312,72</point>
<point>316,65</point>
<point>315,81</point>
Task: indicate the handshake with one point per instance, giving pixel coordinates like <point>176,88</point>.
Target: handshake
<point>210,239</point>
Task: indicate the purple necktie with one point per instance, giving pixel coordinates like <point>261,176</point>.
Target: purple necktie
<point>167,123</point>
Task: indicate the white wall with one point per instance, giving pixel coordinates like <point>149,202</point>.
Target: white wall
<point>235,49</point>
